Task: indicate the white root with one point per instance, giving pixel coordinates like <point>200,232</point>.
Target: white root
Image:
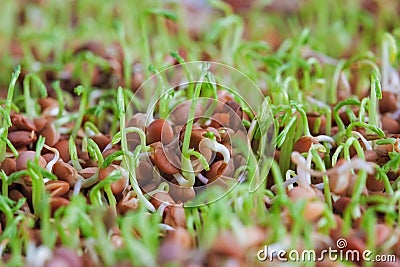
<point>355,164</point>
<point>37,256</point>
<point>202,178</point>
<point>217,147</point>
<point>362,138</point>
<point>162,207</point>
<point>180,179</point>
<point>303,167</point>
<point>325,138</point>
<point>51,163</point>
<point>166,227</point>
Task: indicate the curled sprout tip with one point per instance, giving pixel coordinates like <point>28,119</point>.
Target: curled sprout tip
<point>217,147</point>
<point>49,166</point>
<point>362,138</point>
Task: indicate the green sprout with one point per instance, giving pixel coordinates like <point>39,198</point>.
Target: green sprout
<point>80,90</point>
<point>187,168</point>
<point>130,161</point>
<point>32,80</point>
<point>6,121</point>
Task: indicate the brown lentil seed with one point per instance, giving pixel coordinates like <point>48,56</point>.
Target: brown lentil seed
<point>24,157</point>
<point>22,138</point>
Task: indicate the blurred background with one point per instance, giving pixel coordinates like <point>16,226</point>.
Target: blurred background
<point>122,38</point>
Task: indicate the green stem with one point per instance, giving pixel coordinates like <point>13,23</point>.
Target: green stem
<point>74,154</point>
<point>60,98</point>
<point>336,109</point>
<point>92,145</point>
<point>372,128</point>
<point>287,147</point>
<point>4,183</point>
<point>304,120</point>
<point>320,164</point>
<point>129,162</point>
<point>185,159</point>
<point>376,93</point>
<point>335,81</point>
<point>145,40</point>
<point>82,108</point>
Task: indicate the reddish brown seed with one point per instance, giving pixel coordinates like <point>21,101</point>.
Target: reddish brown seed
<point>312,118</point>
<point>127,203</point>
<point>216,170</point>
<point>303,144</point>
<point>371,155</point>
<point>9,166</point>
<point>383,233</point>
<point>181,193</point>
<point>224,96</point>
<point>388,103</point>
<point>63,148</point>
<point>57,188</point>
<point>341,204</point>
<point>40,123</point>
<point>175,216</point>
<point>150,187</point>
<point>22,138</point>
<point>159,130</point>
<point>24,157</point>
<point>313,210</point>
<point>65,172</point>
<point>159,158</point>
<point>345,118</point>
<point>390,125</point>
<point>88,172</point>
<point>133,140</point>
<point>101,140</point>
<point>195,137</point>
<point>110,151</point>
<point>117,186</point>
<point>334,130</point>
<point>57,202</point>
<point>220,120</point>
<point>20,122</point>
<point>235,107</point>
<point>51,135</point>
<point>180,113</point>
<point>48,157</point>
<point>144,172</point>
<point>82,155</point>
<point>299,193</point>
<point>374,184</point>
<point>138,120</point>
<point>230,169</point>
<point>161,197</point>
<point>17,195</point>
<point>47,102</point>
<point>339,183</point>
